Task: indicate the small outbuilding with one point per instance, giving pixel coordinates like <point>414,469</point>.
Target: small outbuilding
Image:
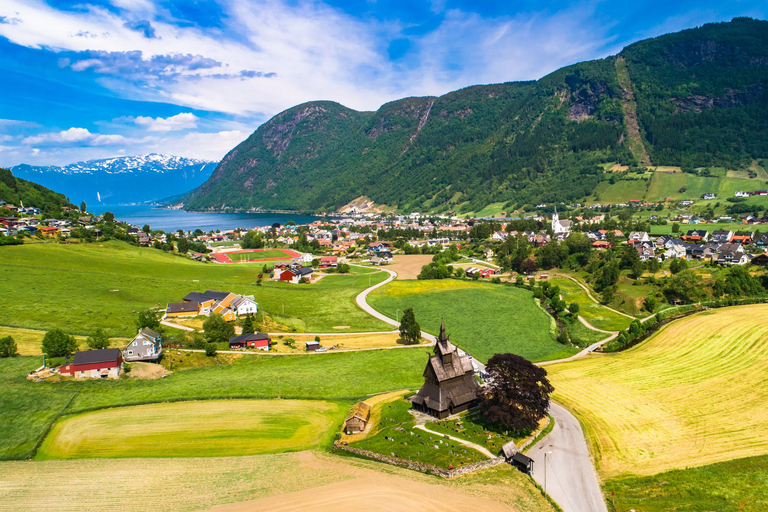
<point>312,346</point>
<point>259,340</point>
<point>357,419</point>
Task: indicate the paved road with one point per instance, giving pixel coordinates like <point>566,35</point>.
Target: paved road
<point>570,476</point>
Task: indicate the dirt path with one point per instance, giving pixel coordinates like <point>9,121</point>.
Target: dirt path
<point>470,444</point>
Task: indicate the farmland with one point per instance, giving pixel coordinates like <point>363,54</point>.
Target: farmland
<point>81,287</point>
<point>294,480</point>
<point>686,397</point>
<point>482,318</point>
<point>254,255</point>
<point>594,313</point>
<point>194,429</point>
<point>27,408</point>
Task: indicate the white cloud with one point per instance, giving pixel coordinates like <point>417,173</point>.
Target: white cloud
<point>182,121</point>
<point>204,145</point>
<point>79,136</point>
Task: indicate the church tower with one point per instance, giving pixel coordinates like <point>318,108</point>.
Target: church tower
<point>555,221</point>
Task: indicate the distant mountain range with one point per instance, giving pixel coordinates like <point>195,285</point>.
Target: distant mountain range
<point>696,98</point>
<point>121,180</point>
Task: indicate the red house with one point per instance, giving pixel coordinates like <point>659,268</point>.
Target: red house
<point>328,261</point>
<point>95,364</point>
<point>295,275</point>
<point>258,340</point>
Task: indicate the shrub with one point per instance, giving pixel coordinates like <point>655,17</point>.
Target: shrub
<point>210,349</point>
<point>7,347</point>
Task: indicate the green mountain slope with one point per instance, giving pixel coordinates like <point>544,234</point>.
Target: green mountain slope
<point>694,98</point>
<point>15,191</point>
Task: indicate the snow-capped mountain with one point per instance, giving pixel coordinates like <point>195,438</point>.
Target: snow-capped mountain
<point>121,180</point>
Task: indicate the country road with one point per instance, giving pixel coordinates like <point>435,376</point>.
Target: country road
<point>570,475</point>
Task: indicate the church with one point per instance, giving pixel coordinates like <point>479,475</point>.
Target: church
<point>449,381</point>
<point>561,228</point>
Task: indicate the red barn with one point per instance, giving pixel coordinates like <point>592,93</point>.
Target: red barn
<point>95,364</point>
<point>258,340</point>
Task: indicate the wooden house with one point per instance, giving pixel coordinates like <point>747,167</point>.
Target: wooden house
<point>257,340</point>
<point>357,419</point>
<point>449,381</point>
<point>295,275</point>
<point>95,364</point>
<point>146,346</point>
<point>177,309</point>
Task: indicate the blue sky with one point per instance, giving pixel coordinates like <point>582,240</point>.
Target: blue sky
<point>93,79</point>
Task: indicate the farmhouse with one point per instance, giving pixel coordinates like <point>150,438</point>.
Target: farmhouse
<point>258,340</point>
<point>176,309</point>
<point>357,419</point>
<point>244,305</point>
<point>146,346</point>
<point>227,304</point>
<point>449,382</point>
<point>329,261</point>
<point>95,364</point>
<point>295,275</point>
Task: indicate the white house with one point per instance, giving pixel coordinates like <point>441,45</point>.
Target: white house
<point>741,194</point>
<point>244,305</point>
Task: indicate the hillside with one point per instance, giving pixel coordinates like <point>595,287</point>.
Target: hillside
<point>121,180</point>
<point>694,98</point>
<point>15,191</point>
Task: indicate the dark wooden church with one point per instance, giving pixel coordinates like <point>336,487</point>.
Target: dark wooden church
<point>449,381</point>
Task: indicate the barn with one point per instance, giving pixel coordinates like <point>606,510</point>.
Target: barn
<point>257,340</point>
<point>95,364</point>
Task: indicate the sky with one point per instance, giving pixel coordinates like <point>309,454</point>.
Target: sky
<point>81,80</point>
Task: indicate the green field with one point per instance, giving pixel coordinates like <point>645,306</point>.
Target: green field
<point>664,185</point>
<point>195,429</point>
<point>596,314</point>
<point>691,395</point>
<point>734,485</point>
<point>246,255</point>
<point>80,287</point>
<point>732,226</point>
<point>481,318</point>
<point>28,408</point>
<point>623,191</point>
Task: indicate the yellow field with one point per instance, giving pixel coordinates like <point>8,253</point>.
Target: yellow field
<point>29,341</point>
<point>694,394</point>
<point>294,481</point>
<point>187,429</point>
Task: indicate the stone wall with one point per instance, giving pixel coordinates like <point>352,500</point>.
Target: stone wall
<point>420,466</point>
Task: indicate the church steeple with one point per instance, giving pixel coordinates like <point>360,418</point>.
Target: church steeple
<point>443,337</point>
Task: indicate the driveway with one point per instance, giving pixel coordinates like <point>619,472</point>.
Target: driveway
<point>570,476</point>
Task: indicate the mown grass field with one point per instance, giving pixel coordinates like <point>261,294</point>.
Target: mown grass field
<point>664,185</point>
<point>596,314</point>
<point>80,287</point>
<point>623,191</point>
<point>246,255</point>
<point>28,408</point>
<point>733,485</point>
<point>215,428</point>
<point>691,395</point>
<point>298,481</point>
<point>482,318</point>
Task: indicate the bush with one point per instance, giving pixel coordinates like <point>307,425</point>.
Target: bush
<point>210,349</point>
<point>8,347</point>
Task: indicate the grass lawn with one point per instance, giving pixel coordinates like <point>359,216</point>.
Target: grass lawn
<point>629,296</point>
<point>396,434</point>
<point>622,191</point>
<point>84,286</point>
<point>194,429</point>
<point>581,335</point>
<point>689,396</point>
<point>28,408</point>
<point>594,313</point>
<point>29,341</point>
<point>482,318</point>
<point>259,254</point>
<point>734,485</point>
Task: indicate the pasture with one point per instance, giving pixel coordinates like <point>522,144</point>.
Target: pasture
<point>596,314</point>
<point>664,185</point>
<point>622,191</point>
<point>689,396</point>
<point>214,428</point>
<point>81,287</point>
<point>296,481</point>
<point>482,318</point>
<point>28,408</point>
<point>254,255</point>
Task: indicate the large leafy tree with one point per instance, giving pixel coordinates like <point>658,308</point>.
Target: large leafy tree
<point>517,396</point>
<point>147,319</point>
<point>410,331</point>
<point>56,343</point>
<point>98,340</point>
<point>7,347</point>
<point>217,329</point>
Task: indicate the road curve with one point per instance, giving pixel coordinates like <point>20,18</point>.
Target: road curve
<point>570,475</point>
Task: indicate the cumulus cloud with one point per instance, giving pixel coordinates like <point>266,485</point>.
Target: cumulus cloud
<point>133,64</point>
<point>141,26</point>
<point>181,121</point>
<point>73,136</point>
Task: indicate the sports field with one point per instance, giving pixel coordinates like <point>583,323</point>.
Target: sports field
<point>286,481</point>
<point>482,318</point>
<point>693,394</point>
<point>194,429</point>
<point>254,255</point>
<point>80,287</point>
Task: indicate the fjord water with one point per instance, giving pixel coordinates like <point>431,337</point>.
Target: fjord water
<point>173,220</point>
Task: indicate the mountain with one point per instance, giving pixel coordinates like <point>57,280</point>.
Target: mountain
<point>695,98</point>
<point>16,191</point>
<point>120,180</point>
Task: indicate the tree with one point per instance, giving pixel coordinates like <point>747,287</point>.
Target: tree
<point>210,349</point>
<point>146,228</point>
<point>183,245</point>
<point>98,340</point>
<point>574,307</point>
<point>650,303</point>
<point>82,206</point>
<point>147,319</point>
<point>675,227</point>
<point>217,329</point>
<point>109,217</point>
<point>7,347</point>
<point>517,395</point>
<point>685,286</point>
<point>410,330</point>
<point>248,325</point>
<point>342,268</point>
<point>56,343</point>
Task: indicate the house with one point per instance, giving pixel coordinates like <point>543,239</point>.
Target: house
<point>50,231</point>
<point>708,196</point>
<point>329,261</point>
<point>449,381</point>
<point>762,240</point>
<point>379,246</point>
<point>488,253</point>
<point>357,419</point>
<point>696,235</point>
<point>732,254</point>
<point>721,236</point>
<point>601,244</point>
<point>257,340</point>
<point>295,275</point>
<point>645,250</point>
<point>741,239</point>
<point>638,236</point>
<point>675,248</point>
<point>741,194</point>
<point>312,346</point>
<point>146,346</point>
<point>244,305</point>
<point>760,259</point>
<point>177,309</point>
<point>700,251</point>
<point>95,364</point>
<point>227,314</point>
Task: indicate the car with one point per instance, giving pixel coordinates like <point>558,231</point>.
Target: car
<point>322,349</point>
